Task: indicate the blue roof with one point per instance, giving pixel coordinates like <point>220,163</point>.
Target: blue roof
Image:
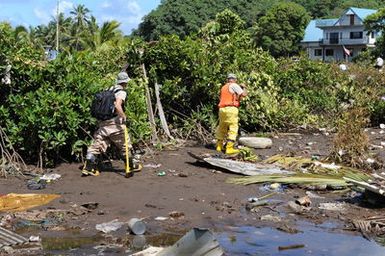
<point>362,13</point>
<point>326,22</point>
<point>312,33</point>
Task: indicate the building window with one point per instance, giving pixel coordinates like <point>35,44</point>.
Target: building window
<point>317,52</point>
<point>351,19</point>
<point>356,35</point>
<point>329,52</point>
<point>334,38</point>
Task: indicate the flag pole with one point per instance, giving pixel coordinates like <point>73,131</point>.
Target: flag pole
<point>57,26</point>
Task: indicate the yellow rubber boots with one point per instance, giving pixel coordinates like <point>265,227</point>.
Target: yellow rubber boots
<point>219,146</point>
<point>230,150</point>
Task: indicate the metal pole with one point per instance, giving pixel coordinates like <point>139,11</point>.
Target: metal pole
<point>57,26</point>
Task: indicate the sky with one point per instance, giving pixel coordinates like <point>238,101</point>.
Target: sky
<point>35,12</point>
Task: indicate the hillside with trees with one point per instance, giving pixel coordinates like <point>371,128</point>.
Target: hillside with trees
<point>183,18</point>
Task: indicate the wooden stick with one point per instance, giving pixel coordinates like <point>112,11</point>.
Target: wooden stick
<point>162,117</point>
<point>150,112</point>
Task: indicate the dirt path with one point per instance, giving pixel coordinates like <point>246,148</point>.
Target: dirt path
<point>199,193</point>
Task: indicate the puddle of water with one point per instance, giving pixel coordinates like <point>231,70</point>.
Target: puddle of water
<point>68,243</point>
<point>317,240</point>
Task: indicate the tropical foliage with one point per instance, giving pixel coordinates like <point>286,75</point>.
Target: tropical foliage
<point>45,108</point>
<point>184,18</point>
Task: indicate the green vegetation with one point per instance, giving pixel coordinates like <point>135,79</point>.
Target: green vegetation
<point>281,29</point>
<point>45,108</point>
<point>185,18</point>
<point>376,22</point>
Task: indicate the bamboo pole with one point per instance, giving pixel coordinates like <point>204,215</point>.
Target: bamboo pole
<point>150,112</point>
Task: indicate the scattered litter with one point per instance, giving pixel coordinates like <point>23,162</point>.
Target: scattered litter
<point>108,227</point>
<point>176,214</point>
<point>290,247</point>
<point>255,142</point>
<point>274,187</point>
<point>271,218</point>
<point>90,206</point>
<point>137,226</point>
<point>50,177</point>
<point>161,218</point>
<point>34,239</point>
<point>382,126</point>
<point>182,175</point>
<point>162,173</point>
<point>36,184</point>
<point>332,206</point>
<point>154,166</point>
<point>313,195</point>
<point>9,238</point>
<point>304,201</point>
<point>196,242</point>
<point>21,202</point>
<point>382,143</point>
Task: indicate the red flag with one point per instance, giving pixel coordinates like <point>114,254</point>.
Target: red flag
<point>346,51</point>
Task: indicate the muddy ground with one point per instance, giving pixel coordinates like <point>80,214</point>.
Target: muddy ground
<point>198,193</point>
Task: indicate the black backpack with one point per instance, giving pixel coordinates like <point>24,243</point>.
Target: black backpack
<point>103,105</point>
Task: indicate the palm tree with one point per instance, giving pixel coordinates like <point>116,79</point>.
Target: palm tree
<point>108,32</point>
<point>81,18</point>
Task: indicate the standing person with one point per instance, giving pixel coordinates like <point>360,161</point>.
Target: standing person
<point>110,131</point>
<point>230,97</point>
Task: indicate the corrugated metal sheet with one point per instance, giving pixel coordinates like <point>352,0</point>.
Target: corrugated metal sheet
<point>9,238</point>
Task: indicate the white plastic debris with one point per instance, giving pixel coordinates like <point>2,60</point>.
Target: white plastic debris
<point>382,126</point>
<point>161,218</point>
<point>154,166</point>
<point>332,206</point>
<point>108,227</point>
<point>34,239</point>
<point>50,177</point>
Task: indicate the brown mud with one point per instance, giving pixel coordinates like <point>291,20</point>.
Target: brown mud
<point>198,193</point>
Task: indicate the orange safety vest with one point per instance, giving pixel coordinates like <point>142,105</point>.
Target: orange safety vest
<point>228,99</point>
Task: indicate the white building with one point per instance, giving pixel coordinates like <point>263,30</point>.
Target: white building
<point>331,39</point>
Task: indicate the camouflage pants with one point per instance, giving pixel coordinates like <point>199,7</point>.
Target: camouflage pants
<point>110,132</point>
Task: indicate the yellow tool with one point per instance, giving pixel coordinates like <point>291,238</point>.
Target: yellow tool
<point>128,170</point>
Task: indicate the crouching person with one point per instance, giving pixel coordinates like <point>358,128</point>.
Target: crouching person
<point>108,108</point>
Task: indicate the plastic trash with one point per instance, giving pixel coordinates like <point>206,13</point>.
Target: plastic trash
<point>137,226</point>
<point>34,239</point>
<point>161,218</point>
<point>108,227</point>
<point>50,177</point>
<point>154,166</point>
<point>21,202</point>
<point>162,173</point>
<point>36,184</point>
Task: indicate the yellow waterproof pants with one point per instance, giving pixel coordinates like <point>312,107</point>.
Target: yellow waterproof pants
<point>228,124</point>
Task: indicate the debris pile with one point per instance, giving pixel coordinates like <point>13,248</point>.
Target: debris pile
<point>304,171</point>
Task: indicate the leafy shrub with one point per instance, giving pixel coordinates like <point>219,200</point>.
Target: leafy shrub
<point>351,143</point>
